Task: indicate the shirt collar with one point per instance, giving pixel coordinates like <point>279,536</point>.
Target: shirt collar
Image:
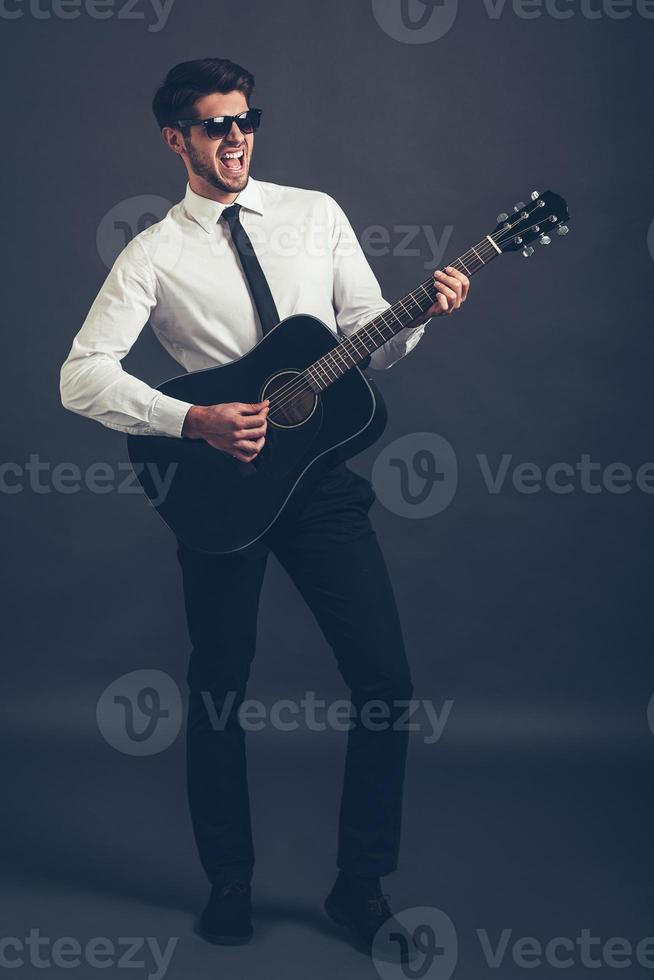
<point>207,213</point>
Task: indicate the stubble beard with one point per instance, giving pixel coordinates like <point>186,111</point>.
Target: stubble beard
<point>208,172</point>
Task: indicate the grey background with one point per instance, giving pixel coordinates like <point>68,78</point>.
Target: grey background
<point>530,611</point>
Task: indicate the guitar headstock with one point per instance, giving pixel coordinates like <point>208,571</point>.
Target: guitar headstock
<point>545,215</point>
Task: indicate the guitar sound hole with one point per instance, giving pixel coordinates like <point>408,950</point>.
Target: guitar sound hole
<point>292,406</point>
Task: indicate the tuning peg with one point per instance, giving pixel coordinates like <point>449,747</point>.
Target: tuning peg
<point>545,240</point>
<point>562,230</point>
<point>519,206</point>
<point>535,195</point>
<point>527,251</point>
<point>502,217</point>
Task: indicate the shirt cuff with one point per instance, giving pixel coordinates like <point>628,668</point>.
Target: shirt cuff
<point>168,415</point>
<point>397,347</point>
<point>411,335</point>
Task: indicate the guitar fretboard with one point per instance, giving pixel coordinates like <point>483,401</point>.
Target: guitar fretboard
<point>333,365</point>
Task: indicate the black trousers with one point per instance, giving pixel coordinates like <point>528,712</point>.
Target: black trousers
<point>326,544</point>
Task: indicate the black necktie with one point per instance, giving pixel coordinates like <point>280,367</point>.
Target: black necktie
<point>257,281</point>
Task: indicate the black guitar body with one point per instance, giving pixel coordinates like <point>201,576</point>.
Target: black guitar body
<point>217,504</point>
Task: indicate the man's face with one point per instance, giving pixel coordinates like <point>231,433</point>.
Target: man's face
<point>206,158</point>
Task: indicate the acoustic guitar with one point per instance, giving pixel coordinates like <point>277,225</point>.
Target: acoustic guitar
<point>323,409</point>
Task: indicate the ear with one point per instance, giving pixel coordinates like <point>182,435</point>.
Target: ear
<point>173,139</point>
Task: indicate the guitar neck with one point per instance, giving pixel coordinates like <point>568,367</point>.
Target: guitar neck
<point>333,365</point>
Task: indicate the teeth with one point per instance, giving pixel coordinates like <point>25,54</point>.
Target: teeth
<point>232,156</point>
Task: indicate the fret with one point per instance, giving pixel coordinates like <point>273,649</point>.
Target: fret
<point>350,354</point>
<point>363,350</point>
<point>313,374</point>
<point>415,302</point>
<point>374,326</point>
<point>338,352</point>
<point>367,339</point>
<point>427,293</point>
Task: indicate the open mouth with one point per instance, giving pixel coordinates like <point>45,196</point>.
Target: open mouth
<point>233,161</point>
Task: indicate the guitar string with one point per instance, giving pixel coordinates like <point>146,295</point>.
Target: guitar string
<point>300,385</point>
<point>282,398</point>
<point>293,388</point>
<point>286,394</point>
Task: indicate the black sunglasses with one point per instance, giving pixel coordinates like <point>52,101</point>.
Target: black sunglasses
<point>219,126</point>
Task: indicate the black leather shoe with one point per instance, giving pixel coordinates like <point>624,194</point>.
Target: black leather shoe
<point>360,905</point>
<point>227,920</point>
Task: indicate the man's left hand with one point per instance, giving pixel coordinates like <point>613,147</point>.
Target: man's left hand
<point>451,291</point>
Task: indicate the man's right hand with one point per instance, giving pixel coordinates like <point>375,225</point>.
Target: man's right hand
<point>237,428</point>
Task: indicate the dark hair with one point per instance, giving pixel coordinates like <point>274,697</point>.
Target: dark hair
<point>187,82</point>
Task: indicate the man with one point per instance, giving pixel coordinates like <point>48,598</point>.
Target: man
<point>186,276</point>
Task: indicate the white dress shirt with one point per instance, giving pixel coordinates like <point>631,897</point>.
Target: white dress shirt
<point>183,275</point>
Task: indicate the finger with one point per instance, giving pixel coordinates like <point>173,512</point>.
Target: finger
<point>247,450</point>
<point>463,279</point>
<point>256,418</point>
<point>252,408</point>
<point>447,292</point>
<point>254,433</point>
<point>452,283</point>
<point>452,280</point>
<point>461,276</point>
<point>249,445</point>
<point>440,305</point>
<point>244,457</point>
<point>250,421</point>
